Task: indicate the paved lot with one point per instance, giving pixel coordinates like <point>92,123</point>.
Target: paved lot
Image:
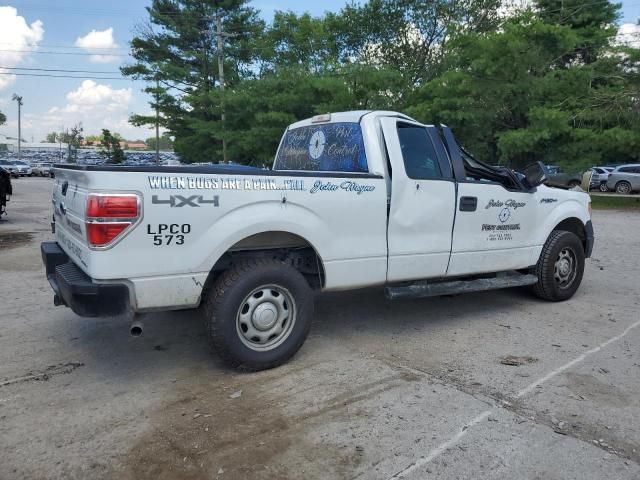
<point>408,389</point>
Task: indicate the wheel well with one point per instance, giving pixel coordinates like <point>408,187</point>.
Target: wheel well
<point>576,226</point>
<point>284,246</point>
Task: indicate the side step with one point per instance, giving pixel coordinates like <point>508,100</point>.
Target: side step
<point>433,289</point>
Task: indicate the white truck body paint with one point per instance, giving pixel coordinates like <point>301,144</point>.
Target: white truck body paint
<point>367,229</point>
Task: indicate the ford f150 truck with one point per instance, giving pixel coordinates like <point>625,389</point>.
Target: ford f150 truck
<point>354,199</point>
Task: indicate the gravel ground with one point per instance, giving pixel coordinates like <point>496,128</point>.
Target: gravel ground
<point>406,389</point>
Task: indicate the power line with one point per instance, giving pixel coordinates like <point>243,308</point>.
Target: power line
<point>64,53</point>
<point>39,45</point>
<point>85,77</point>
<point>59,70</point>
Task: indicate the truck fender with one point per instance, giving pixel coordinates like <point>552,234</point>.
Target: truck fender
<point>569,215</point>
<point>259,217</point>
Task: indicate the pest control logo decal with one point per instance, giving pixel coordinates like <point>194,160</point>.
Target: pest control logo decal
<point>504,215</point>
<point>316,144</point>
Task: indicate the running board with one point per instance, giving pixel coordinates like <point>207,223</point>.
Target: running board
<point>426,289</point>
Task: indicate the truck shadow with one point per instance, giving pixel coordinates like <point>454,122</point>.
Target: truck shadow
<point>370,310</point>
<point>175,343</point>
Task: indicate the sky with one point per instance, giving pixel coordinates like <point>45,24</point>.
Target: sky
<point>76,34</point>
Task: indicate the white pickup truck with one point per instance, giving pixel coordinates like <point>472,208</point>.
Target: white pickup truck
<point>354,199</point>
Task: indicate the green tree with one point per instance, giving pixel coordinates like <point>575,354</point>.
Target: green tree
<point>176,51</point>
<point>365,56</point>
<point>52,137</point>
<point>166,142</point>
<point>412,36</point>
<point>548,83</point>
<point>111,148</point>
<point>73,138</point>
<point>3,118</point>
<point>531,91</point>
<point>594,24</point>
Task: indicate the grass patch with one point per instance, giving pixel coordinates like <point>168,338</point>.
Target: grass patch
<point>613,202</point>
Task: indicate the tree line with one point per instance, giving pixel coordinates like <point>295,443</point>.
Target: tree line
<point>548,82</point>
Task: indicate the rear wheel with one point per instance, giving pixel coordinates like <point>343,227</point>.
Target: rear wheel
<point>623,187</point>
<point>560,267</point>
<point>573,184</point>
<point>258,314</point>
<point>603,187</point>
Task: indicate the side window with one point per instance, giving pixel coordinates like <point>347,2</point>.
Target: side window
<point>625,170</point>
<point>418,153</point>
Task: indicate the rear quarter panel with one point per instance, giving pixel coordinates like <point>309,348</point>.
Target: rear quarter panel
<point>342,218</point>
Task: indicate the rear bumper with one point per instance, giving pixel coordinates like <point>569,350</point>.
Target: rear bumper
<point>75,289</point>
<point>589,240</point>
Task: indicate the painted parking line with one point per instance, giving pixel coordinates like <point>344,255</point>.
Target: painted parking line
<point>440,449</point>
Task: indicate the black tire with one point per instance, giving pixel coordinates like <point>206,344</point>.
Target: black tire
<point>550,285</point>
<point>603,187</point>
<point>623,187</point>
<point>573,184</point>
<point>231,293</point>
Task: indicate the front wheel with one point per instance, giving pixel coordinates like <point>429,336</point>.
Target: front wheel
<point>560,267</point>
<point>258,314</point>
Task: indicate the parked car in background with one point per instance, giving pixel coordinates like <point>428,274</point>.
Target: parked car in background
<point>42,169</point>
<point>557,178</point>
<point>625,179</point>
<point>599,177</point>
<point>10,167</point>
<point>24,169</point>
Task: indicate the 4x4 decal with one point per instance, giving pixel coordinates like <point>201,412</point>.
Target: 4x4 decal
<point>181,201</point>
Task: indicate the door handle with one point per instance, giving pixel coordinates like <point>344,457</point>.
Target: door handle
<point>468,204</point>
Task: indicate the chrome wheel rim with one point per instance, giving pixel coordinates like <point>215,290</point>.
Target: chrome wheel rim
<point>564,270</point>
<point>266,318</point>
<point>623,188</point>
<point>603,187</point>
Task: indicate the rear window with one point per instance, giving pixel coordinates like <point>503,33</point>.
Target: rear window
<point>332,147</point>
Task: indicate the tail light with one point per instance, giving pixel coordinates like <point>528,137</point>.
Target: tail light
<point>109,216</point>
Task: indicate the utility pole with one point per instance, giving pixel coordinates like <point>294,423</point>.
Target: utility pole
<point>157,123</point>
<point>221,35</point>
<point>60,140</point>
<point>18,99</point>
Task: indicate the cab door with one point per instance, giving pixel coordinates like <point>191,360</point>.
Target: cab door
<point>422,202</point>
<point>494,229</point>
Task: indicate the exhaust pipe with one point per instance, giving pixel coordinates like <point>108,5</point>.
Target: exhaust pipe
<point>136,328</point>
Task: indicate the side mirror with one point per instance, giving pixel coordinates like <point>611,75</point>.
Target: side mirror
<point>534,175</point>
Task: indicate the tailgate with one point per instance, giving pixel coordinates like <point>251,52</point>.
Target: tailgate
<point>69,203</point>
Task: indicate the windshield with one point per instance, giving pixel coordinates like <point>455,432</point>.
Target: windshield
<point>332,147</point>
